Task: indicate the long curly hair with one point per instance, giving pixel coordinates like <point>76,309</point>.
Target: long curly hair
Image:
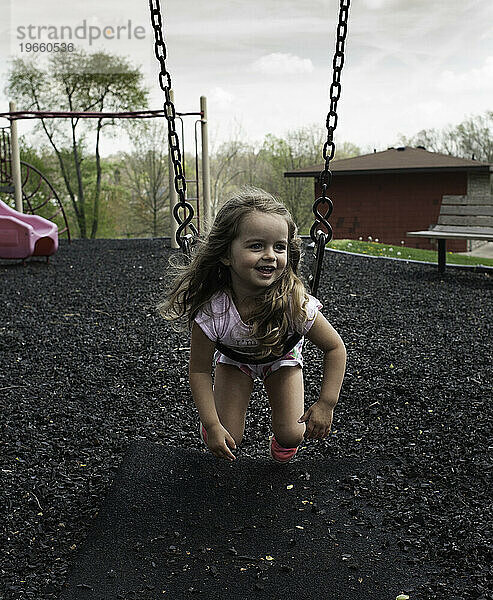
<point>282,307</point>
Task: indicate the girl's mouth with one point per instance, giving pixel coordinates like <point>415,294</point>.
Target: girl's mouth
<point>266,271</point>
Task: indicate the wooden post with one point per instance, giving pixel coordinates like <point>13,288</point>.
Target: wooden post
<point>206,171</point>
<point>442,255</point>
<point>173,196</point>
<point>15,161</point>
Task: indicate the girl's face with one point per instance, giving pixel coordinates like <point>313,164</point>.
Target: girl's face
<point>259,255</point>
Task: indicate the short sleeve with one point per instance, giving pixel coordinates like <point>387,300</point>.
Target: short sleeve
<point>206,323</point>
<point>312,308</point>
<point>214,318</point>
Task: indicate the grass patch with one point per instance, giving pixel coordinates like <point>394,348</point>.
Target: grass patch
<point>405,253</point>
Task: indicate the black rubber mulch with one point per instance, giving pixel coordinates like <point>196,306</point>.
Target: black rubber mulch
<point>396,500</point>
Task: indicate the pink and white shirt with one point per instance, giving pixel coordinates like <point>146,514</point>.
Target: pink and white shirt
<point>225,324</point>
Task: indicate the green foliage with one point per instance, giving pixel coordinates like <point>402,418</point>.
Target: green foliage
<point>281,155</point>
<point>78,81</point>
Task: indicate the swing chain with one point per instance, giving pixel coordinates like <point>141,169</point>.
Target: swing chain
<point>321,224</point>
<point>321,230</point>
<point>174,143</point>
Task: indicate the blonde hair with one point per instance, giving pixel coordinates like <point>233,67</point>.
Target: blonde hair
<point>280,308</point>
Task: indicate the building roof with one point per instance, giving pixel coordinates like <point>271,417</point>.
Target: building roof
<point>395,160</point>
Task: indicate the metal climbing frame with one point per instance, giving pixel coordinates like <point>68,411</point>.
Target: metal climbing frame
<point>37,191</point>
<point>5,162</point>
<point>29,171</point>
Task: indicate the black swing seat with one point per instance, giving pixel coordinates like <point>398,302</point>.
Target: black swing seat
<point>245,358</point>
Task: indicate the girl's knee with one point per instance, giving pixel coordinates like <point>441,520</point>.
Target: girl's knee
<point>289,436</point>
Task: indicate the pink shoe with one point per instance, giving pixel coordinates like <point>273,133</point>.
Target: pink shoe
<point>203,433</point>
<point>280,454</point>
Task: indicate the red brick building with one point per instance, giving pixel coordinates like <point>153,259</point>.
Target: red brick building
<point>386,194</point>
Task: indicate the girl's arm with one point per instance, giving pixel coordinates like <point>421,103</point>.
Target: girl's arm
<point>319,415</point>
<point>219,440</point>
<point>200,367</point>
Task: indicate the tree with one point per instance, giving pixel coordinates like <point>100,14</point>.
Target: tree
<point>281,155</point>
<point>473,138</point>
<point>145,170</point>
<point>232,165</point>
<point>77,81</point>
<point>299,148</point>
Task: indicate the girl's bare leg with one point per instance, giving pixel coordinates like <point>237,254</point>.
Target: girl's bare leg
<point>232,391</point>
<point>286,397</point>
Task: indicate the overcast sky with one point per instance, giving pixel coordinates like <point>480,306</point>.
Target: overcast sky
<point>265,65</point>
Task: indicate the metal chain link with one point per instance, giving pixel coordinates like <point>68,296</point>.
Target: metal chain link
<point>174,143</point>
<point>321,230</point>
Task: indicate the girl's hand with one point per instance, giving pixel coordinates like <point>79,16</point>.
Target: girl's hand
<point>318,420</point>
<point>219,442</point>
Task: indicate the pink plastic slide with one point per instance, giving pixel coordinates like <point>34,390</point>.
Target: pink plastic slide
<point>22,236</point>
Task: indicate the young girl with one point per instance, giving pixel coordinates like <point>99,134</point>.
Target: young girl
<point>248,312</point>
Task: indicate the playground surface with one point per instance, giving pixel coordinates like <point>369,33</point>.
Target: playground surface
<point>101,457</point>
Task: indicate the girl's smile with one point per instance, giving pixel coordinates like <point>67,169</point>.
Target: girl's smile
<point>267,272</point>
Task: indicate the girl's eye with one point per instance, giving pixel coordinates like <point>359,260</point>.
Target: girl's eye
<point>278,247</point>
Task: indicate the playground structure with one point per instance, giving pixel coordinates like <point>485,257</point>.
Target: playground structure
<point>9,153</point>
<point>206,177</point>
<point>37,190</point>
<point>22,236</point>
